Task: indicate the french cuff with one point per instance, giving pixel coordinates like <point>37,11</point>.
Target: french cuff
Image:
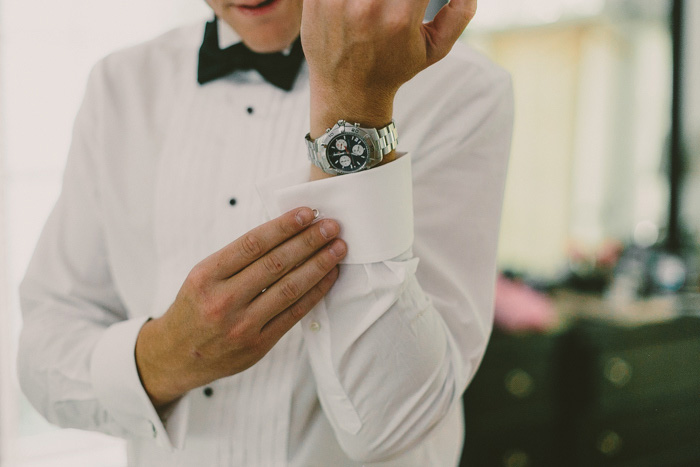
<point>119,389</point>
<point>374,207</point>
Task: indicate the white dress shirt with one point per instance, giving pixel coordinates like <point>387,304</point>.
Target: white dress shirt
<point>162,172</point>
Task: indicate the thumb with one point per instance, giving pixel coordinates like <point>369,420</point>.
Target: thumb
<point>447,26</point>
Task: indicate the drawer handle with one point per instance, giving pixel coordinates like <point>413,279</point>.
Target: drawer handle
<point>519,383</point>
<point>516,458</point>
<point>609,443</point>
<point>618,372</point>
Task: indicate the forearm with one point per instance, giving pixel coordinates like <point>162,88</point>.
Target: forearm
<point>42,373</point>
<point>328,106</point>
<point>163,373</point>
<point>389,347</point>
<point>388,367</point>
<point>56,347</point>
<point>354,334</point>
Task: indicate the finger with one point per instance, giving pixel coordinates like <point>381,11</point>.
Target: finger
<point>292,287</point>
<point>250,247</point>
<point>284,321</point>
<point>447,26</point>
<point>274,265</point>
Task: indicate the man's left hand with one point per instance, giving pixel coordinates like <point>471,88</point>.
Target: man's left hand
<point>360,52</point>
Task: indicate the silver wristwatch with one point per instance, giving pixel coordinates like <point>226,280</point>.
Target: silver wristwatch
<point>347,148</point>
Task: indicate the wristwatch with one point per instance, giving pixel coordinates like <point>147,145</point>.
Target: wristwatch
<point>347,148</point>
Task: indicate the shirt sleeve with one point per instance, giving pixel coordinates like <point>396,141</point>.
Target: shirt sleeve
<point>76,359</point>
<point>395,342</point>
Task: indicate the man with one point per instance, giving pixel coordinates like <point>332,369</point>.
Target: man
<point>164,172</point>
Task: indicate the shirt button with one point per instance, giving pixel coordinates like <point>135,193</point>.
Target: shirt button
<point>250,110</point>
<point>232,201</point>
<point>208,392</point>
<point>315,326</point>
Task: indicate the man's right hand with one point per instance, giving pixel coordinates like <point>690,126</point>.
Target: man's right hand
<point>221,322</point>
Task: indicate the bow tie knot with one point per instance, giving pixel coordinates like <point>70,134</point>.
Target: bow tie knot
<point>277,68</point>
<point>243,61</point>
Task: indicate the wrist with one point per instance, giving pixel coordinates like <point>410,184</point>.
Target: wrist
<point>158,370</point>
<point>371,108</point>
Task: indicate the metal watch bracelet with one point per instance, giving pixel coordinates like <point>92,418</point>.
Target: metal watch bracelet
<point>383,141</point>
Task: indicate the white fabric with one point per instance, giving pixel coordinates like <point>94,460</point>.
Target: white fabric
<point>375,373</point>
<point>386,188</point>
<point>227,35</point>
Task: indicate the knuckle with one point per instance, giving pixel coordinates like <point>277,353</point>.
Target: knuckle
<point>214,309</point>
<point>397,23</point>
<point>250,246</point>
<point>198,286</point>
<point>237,333</point>
<point>365,9</point>
<point>198,276</point>
<point>272,264</point>
<point>290,290</point>
<point>287,228</point>
<point>243,335</point>
<point>310,240</point>
<point>323,263</point>
<point>212,314</point>
<point>298,311</point>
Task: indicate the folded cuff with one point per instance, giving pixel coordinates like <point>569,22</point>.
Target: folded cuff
<point>118,387</point>
<point>374,208</point>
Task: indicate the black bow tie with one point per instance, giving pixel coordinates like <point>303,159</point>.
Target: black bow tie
<point>277,68</point>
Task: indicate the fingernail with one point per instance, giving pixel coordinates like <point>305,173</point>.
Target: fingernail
<point>329,229</point>
<point>337,248</point>
<point>305,216</point>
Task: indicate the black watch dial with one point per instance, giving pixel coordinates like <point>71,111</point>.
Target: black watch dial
<point>347,152</point>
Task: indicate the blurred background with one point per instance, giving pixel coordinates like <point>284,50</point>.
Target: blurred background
<point>596,348</point>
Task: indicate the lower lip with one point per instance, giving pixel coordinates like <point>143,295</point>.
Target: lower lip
<point>258,11</point>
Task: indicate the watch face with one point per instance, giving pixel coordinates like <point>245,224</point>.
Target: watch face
<point>347,152</point>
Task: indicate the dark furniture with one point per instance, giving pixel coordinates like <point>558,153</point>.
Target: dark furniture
<point>597,394</point>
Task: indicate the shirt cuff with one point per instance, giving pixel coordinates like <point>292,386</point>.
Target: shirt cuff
<point>374,207</point>
<point>119,389</point>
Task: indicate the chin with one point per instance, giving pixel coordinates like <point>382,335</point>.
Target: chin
<point>267,33</point>
<point>268,45</point>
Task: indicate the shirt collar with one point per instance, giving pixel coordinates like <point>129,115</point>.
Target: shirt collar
<point>228,36</point>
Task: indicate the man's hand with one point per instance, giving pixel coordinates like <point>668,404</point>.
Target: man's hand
<point>222,322</point>
<point>361,51</point>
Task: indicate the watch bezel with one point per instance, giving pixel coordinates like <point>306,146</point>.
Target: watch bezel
<point>344,132</point>
<point>369,136</point>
